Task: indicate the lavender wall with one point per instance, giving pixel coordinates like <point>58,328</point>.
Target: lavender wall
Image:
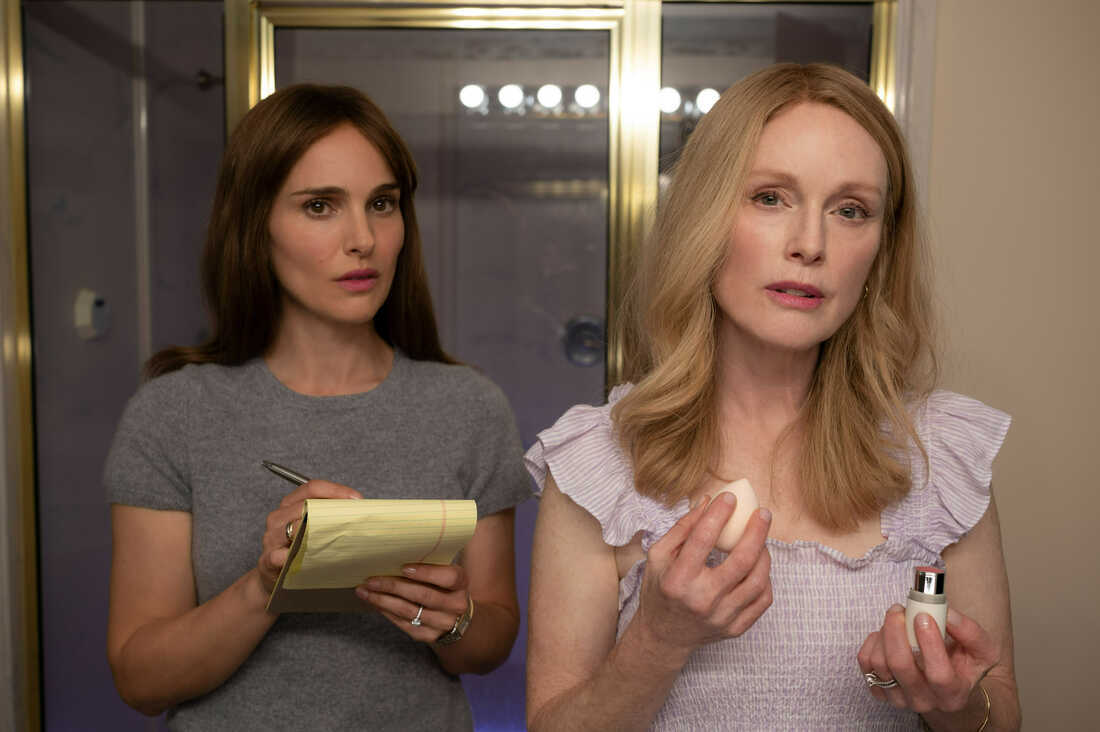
<point>80,64</point>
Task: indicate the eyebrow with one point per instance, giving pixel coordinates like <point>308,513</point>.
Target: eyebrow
<point>338,191</point>
<point>788,179</point>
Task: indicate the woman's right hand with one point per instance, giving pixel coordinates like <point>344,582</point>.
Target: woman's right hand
<point>276,547</point>
<point>684,603</point>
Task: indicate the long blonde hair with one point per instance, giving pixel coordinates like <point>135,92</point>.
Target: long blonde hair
<point>856,421</point>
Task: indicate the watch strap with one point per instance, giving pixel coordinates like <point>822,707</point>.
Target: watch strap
<point>462,622</point>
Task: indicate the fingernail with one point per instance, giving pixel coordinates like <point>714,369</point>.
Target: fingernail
<point>700,501</point>
<point>408,570</point>
<point>766,514</point>
<point>362,593</point>
<point>895,608</point>
<point>923,620</point>
<point>953,617</point>
<point>729,497</point>
<point>372,584</point>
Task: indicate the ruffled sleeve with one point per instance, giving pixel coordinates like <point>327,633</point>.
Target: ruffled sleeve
<point>582,452</point>
<point>962,437</point>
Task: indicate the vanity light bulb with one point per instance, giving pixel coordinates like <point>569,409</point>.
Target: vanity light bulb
<point>586,96</point>
<point>549,95</point>
<point>472,96</point>
<point>668,100</point>
<point>510,96</point>
<point>705,99</point>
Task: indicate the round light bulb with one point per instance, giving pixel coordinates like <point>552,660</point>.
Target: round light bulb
<point>549,95</point>
<point>472,96</point>
<point>586,96</point>
<point>510,96</point>
<point>668,100</point>
<point>705,99</point>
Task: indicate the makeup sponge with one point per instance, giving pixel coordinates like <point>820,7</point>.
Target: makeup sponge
<point>746,504</point>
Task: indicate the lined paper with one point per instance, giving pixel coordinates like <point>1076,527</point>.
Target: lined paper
<point>346,540</point>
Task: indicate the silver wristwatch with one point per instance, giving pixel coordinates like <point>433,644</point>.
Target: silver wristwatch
<point>454,635</point>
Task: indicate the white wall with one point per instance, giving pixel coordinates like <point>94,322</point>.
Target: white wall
<point>1014,191</point>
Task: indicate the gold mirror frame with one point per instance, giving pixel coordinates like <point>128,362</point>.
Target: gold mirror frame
<point>634,80</point>
<point>634,29</point>
<point>18,482</point>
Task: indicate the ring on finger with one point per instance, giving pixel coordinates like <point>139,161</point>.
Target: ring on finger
<point>416,620</point>
<point>289,533</point>
<point>875,682</point>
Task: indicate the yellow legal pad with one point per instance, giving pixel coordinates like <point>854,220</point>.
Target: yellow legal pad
<point>341,542</point>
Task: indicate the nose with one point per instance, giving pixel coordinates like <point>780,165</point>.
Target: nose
<point>806,243</point>
<point>359,237</point>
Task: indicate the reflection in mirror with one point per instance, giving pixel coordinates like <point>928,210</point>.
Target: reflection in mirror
<point>706,47</point>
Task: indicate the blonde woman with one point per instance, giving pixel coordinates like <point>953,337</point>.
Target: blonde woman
<point>779,330</point>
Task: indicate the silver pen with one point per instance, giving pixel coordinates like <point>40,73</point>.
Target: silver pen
<point>294,477</point>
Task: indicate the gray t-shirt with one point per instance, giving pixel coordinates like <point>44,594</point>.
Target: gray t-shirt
<point>192,440</point>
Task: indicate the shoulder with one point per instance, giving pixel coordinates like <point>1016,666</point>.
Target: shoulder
<point>582,453</point>
<point>193,380</point>
<point>164,405</point>
<point>453,388</point>
<point>149,462</point>
<point>581,438</point>
<point>961,417</point>
<point>951,491</point>
<point>962,437</point>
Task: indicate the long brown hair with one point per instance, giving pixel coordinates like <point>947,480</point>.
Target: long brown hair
<point>856,420</point>
<point>239,284</point>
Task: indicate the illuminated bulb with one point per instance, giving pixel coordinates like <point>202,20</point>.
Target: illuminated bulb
<point>668,100</point>
<point>586,96</point>
<point>705,99</point>
<point>472,96</point>
<point>510,96</point>
<point>549,95</point>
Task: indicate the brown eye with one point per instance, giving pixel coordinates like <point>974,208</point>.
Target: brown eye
<point>317,206</point>
<point>384,204</point>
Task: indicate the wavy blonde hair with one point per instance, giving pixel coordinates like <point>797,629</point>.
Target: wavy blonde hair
<point>856,421</point>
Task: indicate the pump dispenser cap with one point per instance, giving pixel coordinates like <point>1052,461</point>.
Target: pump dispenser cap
<point>928,580</point>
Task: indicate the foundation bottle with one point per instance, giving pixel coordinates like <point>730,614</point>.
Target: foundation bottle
<point>926,597</point>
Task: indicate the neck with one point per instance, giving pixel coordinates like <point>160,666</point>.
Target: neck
<point>762,386</point>
<point>759,397</point>
<point>320,358</point>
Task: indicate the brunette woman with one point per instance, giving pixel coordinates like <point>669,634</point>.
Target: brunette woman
<point>325,358</point>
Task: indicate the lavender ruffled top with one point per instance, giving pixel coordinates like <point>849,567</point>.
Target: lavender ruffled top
<point>796,668</point>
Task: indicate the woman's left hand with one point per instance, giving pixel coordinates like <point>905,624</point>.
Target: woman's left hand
<point>441,590</point>
<point>943,676</point>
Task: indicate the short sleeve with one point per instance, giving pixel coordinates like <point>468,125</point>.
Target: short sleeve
<point>962,437</point>
<point>147,462</point>
<point>497,480</point>
<point>582,452</point>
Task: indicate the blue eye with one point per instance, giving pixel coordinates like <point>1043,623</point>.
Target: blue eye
<point>767,198</point>
<point>853,212</point>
